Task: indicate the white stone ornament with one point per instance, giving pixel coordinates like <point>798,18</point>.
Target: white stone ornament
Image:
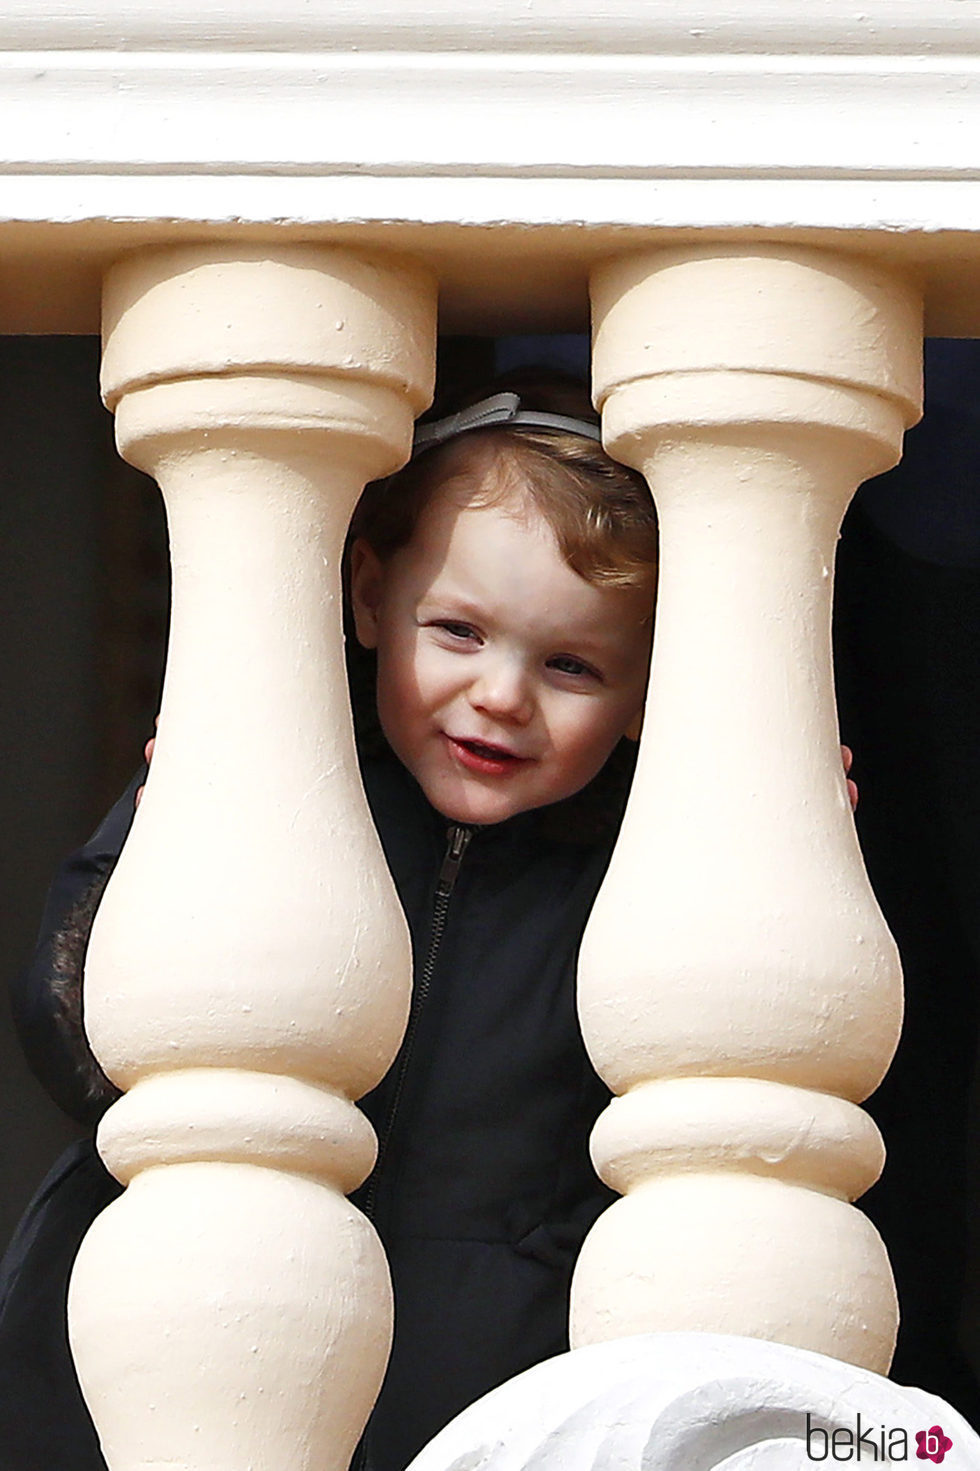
<point>697,1402</point>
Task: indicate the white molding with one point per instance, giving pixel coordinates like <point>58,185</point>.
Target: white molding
<point>383,117</point>
<point>543,117</point>
<point>875,27</point>
<point>914,216</point>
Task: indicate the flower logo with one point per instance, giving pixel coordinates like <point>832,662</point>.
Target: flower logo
<point>933,1444</point>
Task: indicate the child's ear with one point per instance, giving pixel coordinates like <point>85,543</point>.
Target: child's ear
<point>366,583</point>
<point>632,731</point>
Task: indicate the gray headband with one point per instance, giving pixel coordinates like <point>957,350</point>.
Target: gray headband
<point>502,408</point>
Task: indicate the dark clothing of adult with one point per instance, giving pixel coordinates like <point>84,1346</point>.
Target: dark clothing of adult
<point>43,1419</point>
<point>44,1424</point>
<point>907,625</point>
<point>483,1192</point>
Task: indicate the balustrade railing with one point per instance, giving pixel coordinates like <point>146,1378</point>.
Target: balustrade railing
<point>762,200</point>
<point>248,972</point>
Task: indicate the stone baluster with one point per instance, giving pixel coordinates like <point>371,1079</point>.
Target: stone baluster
<point>248,974</point>
<point>739,989</point>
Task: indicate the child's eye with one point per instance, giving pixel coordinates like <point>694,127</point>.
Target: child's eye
<point>455,630</point>
<point>567,664</point>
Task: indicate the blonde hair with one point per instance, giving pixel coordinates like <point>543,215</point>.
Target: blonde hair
<point>600,511</point>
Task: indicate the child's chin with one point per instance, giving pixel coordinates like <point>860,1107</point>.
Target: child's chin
<point>476,808</point>
<point>477,814</point>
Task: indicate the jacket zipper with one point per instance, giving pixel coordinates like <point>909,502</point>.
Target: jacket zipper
<point>457,841</point>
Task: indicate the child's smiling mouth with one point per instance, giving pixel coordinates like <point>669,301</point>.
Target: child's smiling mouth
<point>483,756</point>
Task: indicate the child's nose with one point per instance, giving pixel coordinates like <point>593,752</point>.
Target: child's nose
<point>503,691</point>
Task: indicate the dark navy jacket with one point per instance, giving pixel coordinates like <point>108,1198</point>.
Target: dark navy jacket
<point>484,1190</point>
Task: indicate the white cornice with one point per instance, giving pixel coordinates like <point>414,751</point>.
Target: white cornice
<point>664,27</point>
<point>594,118</point>
<point>415,115</point>
<point>629,90</point>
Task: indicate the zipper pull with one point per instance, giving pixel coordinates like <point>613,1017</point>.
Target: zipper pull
<point>456,845</point>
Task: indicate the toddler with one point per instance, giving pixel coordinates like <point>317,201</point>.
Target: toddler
<point>501,591</point>
<point>504,582</point>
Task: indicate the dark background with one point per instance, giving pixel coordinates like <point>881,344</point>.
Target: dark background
<point>83,607</point>
<point>84,594</point>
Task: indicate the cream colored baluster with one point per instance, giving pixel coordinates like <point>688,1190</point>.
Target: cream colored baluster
<point>739,987</point>
<point>248,972</point>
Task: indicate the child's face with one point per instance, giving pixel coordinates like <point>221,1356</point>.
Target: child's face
<point>504,678</point>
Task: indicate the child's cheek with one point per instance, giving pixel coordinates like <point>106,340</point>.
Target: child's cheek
<point>426,671</point>
<point>592,740</point>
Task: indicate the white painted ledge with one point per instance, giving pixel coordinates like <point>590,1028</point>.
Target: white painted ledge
<point>639,92</point>
<point>670,26</point>
<point>692,1402</point>
<point>429,125</point>
<point>414,114</point>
